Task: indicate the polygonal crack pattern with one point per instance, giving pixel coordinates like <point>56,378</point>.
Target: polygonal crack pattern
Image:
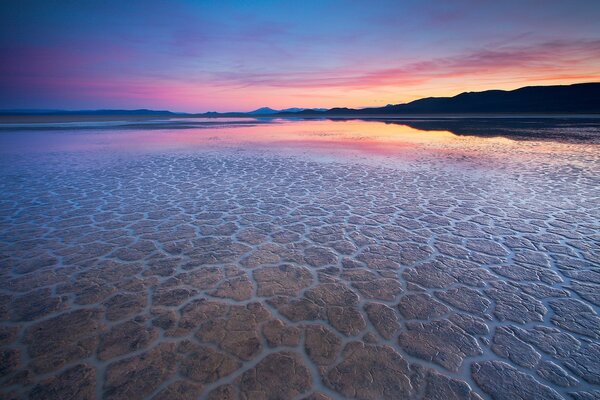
<point>230,276</point>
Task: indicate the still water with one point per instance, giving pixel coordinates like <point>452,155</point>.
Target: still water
<point>240,258</point>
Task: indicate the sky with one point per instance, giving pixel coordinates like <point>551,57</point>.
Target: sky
<point>198,56</point>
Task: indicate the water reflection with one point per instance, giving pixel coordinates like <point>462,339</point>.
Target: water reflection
<point>485,139</point>
<point>519,128</point>
<point>116,266</point>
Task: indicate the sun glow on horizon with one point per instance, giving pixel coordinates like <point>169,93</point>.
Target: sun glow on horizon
<point>239,56</point>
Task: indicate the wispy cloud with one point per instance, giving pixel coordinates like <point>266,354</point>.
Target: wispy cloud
<point>230,55</point>
<point>543,61</point>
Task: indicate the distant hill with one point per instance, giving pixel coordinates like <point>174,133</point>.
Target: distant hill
<point>142,111</point>
<point>579,98</point>
<point>269,111</point>
<point>263,111</point>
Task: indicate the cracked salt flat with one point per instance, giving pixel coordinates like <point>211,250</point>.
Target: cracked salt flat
<point>318,262</point>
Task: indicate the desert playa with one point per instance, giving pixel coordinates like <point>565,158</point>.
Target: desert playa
<point>280,259</point>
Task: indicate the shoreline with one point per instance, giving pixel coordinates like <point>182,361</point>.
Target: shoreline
<point>45,118</point>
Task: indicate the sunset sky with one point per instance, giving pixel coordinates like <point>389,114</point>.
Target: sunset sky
<point>237,56</point>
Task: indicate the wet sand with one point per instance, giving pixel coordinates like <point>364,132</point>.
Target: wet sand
<point>294,260</point>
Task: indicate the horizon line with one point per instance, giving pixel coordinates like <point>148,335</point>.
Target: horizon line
<point>65,110</point>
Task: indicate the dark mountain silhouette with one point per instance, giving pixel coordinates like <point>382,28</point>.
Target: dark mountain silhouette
<point>263,111</point>
<point>269,111</point>
<point>579,98</point>
<point>140,112</point>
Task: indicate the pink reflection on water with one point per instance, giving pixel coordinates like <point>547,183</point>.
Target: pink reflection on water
<point>351,138</point>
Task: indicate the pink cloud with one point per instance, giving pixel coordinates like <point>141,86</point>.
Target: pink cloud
<point>560,58</point>
<point>114,77</point>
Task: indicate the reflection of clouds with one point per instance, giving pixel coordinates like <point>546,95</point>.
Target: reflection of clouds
<point>349,139</point>
<point>324,134</point>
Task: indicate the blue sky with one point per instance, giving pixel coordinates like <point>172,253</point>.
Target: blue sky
<point>240,55</point>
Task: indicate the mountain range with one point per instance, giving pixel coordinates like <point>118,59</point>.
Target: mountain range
<point>270,111</point>
<point>578,98</point>
<point>581,98</point>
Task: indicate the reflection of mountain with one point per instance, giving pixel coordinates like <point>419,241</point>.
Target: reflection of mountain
<point>585,129</point>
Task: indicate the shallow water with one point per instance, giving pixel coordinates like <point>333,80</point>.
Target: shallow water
<point>242,258</point>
